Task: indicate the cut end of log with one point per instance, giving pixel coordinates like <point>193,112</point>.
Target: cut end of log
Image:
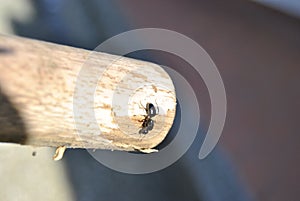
<point>134,86</point>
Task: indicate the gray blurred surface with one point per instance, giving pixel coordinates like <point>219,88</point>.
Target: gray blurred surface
<point>25,177</point>
<point>291,7</point>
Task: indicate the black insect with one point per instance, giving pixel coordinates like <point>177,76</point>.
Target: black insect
<point>148,123</point>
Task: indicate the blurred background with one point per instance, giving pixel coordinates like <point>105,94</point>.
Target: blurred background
<point>255,45</point>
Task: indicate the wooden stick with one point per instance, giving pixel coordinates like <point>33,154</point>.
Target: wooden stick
<point>47,93</point>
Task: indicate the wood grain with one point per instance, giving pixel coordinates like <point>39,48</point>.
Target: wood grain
<point>54,95</point>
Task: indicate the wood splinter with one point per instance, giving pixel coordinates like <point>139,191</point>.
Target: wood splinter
<point>59,153</point>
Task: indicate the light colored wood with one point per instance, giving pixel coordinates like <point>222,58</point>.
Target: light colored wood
<point>37,83</point>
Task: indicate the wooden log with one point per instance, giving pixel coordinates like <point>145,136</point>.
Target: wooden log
<point>42,85</point>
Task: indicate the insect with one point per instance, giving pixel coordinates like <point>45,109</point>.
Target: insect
<point>148,123</point>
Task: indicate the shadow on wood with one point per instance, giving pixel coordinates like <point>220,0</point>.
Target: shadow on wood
<point>12,128</point>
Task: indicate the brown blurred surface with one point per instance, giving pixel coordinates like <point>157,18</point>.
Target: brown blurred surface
<point>257,52</point>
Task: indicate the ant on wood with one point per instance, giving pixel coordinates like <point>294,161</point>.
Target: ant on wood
<point>148,123</point>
